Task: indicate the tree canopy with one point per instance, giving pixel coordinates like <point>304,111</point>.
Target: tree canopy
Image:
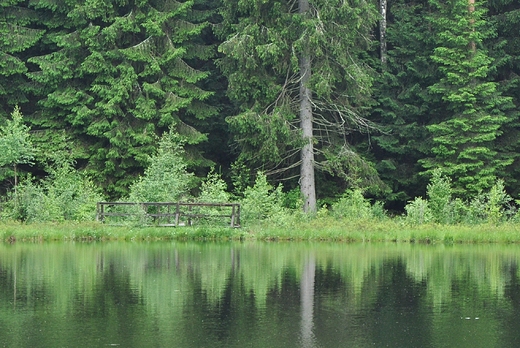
<point>363,94</point>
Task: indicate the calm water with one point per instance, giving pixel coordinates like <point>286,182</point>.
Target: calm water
<point>258,295</point>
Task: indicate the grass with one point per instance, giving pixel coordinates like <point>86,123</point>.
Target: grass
<point>320,229</point>
<point>390,231</point>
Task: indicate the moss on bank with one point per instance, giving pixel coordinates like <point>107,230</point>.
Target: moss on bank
<point>313,230</point>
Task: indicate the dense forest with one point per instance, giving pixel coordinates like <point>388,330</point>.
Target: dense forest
<point>320,95</point>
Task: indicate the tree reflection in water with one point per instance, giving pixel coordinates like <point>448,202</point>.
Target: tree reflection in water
<point>258,295</point>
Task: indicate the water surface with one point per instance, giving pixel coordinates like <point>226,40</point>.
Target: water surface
<point>254,294</point>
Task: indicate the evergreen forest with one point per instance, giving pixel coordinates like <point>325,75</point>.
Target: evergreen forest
<point>311,100</point>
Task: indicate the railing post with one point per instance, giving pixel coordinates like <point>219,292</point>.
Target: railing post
<point>97,211</point>
<point>238,214</point>
<point>233,215</point>
<point>177,212</point>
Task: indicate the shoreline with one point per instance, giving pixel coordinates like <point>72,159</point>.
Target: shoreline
<point>314,230</point>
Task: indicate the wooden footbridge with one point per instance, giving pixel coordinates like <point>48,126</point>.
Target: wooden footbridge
<point>168,213</point>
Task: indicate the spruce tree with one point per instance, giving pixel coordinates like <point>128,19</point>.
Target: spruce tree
<point>464,137</point>
<point>404,105</point>
<point>504,48</point>
<point>117,74</point>
<point>18,33</point>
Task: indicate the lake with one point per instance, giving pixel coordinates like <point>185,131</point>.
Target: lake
<point>257,294</point>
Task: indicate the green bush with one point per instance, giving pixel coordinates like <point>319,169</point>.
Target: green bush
<point>293,199</point>
<point>65,194</point>
<point>166,179</point>
<point>262,202</point>
<point>213,189</point>
<point>439,194</point>
<point>352,205</point>
<point>378,211</point>
<point>497,199</point>
<point>418,212</point>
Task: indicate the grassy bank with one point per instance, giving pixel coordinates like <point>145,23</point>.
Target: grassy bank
<point>314,230</point>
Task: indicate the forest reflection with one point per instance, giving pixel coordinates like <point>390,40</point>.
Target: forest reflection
<point>259,294</point>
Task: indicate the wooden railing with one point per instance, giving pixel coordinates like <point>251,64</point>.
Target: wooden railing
<point>169,213</point>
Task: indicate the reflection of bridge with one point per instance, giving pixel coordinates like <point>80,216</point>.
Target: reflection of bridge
<point>169,213</point>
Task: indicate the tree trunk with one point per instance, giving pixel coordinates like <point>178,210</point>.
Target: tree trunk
<point>471,9</point>
<point>382,30</point>
<point>307,182</point>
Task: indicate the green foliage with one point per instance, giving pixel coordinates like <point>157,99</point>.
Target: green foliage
<point>497,199</point>
<point>117,74</point>
<point>166,179</point>
<point>464,138</point>
<point>378,211</point>
<point>293,199</point>
<point>353,206</point>
<point>101,81</point>
<point>261,201</point>
<point>15,142</point>
<point>73,193</point>
<point>439,197</point>
<point>241,177</point>
<point>444,104</point>
<point>19,33</point>
<point>492,207</point>
<point>404,105</point>
<point>213,189</point>
<point>418,212</point>
<point>262,44</point>
<point>66,195</point>
<point>475,210</point>
<point>504,48</point>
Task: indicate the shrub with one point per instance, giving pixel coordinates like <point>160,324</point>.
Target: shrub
<point>293,199</point>
<point>497,199</point>
<point>166,179</point>
<point>352,205</point>
<point>65,194</point>
<point>457,211</point>
<point>262,201</point>
<point>20,204</point>
<point>73,193</point>
<point>378,211</point>
<point>213,189</point>
<point>241,178</point>
<point>418,212</point>
<point>476,210</point>
<point>439,198</point>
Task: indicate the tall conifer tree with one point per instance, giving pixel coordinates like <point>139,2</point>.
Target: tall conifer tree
<point>117,74</point>
<point>404,105</point>
<point>270,49</point>
<point>464,140</point>
<point>505,50</point>
<point>18,33</point>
